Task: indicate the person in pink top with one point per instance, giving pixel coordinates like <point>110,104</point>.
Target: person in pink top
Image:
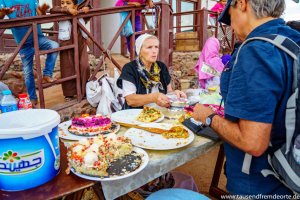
<point>138,24</point>
<point>210,56</point>
<point>218,8</point>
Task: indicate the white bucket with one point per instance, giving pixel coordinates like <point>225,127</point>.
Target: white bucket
<point>29,148</point>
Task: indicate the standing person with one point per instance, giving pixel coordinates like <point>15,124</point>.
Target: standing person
<point>255,94</point>
<point>30,8</point>
<point>146,80</point>
<point>211,57</point>
<point>138,23</point>
<point>218,8</point>
<point>67,56</point>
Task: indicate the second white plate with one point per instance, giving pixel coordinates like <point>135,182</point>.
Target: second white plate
<point>153,141</point>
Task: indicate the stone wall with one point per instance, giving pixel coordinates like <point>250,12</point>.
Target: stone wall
<point>182,71</point>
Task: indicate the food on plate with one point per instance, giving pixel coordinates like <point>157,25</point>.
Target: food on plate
<point>176,131</point>
<point>149,114</point>
<point>91,125</point>
<point>100,156</point>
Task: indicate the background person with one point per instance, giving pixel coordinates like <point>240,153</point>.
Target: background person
<point>209,55</point>
<point>138,23</point>
<point>255,94</point>
<point>29,8</point>
<point>65,37</point>
<point>218,8</point>
<point>146,80</point>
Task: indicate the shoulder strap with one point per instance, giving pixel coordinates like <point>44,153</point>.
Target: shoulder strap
<point>283,43</point>
<point>293,50</point>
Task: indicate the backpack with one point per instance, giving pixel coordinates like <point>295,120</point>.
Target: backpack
<point>285,168</point>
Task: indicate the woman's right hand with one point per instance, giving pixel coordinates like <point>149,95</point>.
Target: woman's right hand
<point>6,11</point>
<point>134,3</point>
<point>162,100</point>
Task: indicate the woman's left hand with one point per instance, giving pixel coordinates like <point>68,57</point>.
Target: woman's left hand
<point>85,9</point>
<point>180,94</point>
<point>41,10</point>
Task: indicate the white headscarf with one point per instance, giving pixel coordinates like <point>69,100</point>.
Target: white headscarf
<point>139,42</point>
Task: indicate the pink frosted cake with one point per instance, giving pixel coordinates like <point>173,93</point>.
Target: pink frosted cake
<point>87,125</point>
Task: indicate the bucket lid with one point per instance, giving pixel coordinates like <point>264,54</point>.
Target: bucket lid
<point>28,123</point>
<point>6,92</point>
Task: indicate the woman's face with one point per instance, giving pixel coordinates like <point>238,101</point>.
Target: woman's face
<point>223,2</point>
<point>149,50</point>
<point>67,4</point>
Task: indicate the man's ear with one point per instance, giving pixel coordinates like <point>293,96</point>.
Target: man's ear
<point>242,4</point>
<point>76,6</point>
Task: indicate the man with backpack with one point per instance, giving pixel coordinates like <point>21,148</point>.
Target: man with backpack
<point>256,87</point>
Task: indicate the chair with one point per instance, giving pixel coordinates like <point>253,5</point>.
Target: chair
<point>176,194</point>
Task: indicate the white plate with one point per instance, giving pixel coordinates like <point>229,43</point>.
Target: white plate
<point>65,134</point>
<point>154,141</point>
<point>145,160</point>
<point>129,116</point>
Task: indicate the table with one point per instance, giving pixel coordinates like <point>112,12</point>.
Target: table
<point>160,163</point>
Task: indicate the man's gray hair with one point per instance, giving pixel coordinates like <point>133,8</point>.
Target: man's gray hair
<point>267,8</point>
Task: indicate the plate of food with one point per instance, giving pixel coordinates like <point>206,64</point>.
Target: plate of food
<point>138,116</point>
<point>87,126</point>
<point>105,158</point>
<point>160,136</point>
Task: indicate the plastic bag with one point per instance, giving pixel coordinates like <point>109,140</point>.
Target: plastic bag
<point>127,30</point>
<point>105,94</point>
<point>93,93</point>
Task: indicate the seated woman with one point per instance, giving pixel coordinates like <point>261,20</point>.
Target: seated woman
<point>145,80</point>
<point>209,56</point>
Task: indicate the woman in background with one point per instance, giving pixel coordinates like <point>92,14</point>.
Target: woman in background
<point>209,56</point>
<point>67,56</point>
<point>138,24</point>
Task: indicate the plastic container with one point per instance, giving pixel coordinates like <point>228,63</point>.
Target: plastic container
<point>24,103</point>
<point>296,150</point>
<point>29,148</point>
<point>8,102</point>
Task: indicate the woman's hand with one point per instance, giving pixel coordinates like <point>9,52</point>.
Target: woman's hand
<point>6,11</point>
<point>85,9</point>
<point>180,94</point>
<point>162,100</point>
<point>41,10</point>
<point>134,3</point>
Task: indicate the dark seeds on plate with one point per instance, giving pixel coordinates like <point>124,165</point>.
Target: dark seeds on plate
<point>125,165</point>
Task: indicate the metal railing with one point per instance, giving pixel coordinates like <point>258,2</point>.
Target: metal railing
<point>164,31</point>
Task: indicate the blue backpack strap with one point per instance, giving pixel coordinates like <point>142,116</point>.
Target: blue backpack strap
<point>293,50</point>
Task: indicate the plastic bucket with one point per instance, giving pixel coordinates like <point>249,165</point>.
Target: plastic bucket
<point>29,148</point>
